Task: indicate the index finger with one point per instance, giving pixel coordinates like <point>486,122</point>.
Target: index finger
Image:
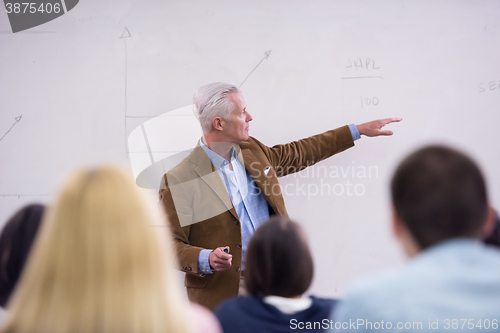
<point>391,120</point>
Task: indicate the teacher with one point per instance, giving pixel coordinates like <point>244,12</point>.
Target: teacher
<point>218,196</point>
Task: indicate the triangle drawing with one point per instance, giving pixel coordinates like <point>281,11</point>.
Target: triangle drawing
<point>126,33</point>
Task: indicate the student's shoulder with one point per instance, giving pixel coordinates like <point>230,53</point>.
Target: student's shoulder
<point>235,304</point>
<point>371,290</point>
<point>202,320</point>
<point>323,301</point>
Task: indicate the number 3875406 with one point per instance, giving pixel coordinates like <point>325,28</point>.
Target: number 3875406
<point>31,7</point>
<point>471,324</point>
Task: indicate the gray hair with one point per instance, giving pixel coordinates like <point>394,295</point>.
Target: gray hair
<point>211,101</point>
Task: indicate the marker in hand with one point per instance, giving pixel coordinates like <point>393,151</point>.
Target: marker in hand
<point>220,259</point>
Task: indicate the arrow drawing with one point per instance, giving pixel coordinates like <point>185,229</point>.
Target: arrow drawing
<point>25,195</point>
<point>18,119</point>
<point>266,55</point>
<point>126,34</point>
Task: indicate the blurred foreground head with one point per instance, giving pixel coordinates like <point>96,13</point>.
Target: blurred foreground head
<point>279,261</point>
<point>16,240</point>
<point>438,194</point>
<point>101,263</point>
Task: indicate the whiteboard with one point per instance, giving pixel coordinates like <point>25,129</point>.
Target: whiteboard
<point>88,82</point>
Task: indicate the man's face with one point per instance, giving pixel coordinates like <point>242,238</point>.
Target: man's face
<point>236,126</point>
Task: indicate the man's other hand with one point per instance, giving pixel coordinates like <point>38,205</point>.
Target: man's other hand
<point>219,260</point>
<point>374,128</point>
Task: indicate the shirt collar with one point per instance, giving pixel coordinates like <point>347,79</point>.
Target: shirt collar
<point>217,160</point>
<point>288,305</point>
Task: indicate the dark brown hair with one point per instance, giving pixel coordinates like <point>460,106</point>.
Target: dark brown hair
<point>494,237</point>
<point>439,193</point>
<point>15,244</point>
<point>279,261</point>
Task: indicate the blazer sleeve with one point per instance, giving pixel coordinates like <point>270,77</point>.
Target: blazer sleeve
<point>298,155</point>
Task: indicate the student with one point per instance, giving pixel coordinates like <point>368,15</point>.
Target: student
<point>494,237</point>
<point>15,244</point>
<point>16,239</point>
<point>102,263</point>
<point>452,282</point>
<point>279,270</point>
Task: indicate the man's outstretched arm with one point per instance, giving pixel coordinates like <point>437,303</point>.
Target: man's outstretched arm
<point>374,128</point>
<point>295,156</point>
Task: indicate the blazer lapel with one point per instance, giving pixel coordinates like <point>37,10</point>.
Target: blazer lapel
<point>210,176</point>
<point>257,171</point>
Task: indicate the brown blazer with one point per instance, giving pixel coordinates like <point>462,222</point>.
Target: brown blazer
<point>202,216</point>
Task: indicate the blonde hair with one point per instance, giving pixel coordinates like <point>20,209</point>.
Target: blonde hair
<point>102,263</point>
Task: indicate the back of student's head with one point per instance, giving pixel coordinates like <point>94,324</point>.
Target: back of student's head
<point>439,194</point>
<point>100,263</point>
<point>279,261</point>
<point>15,244</point>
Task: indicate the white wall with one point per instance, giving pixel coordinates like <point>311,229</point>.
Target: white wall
<point>81,89</point>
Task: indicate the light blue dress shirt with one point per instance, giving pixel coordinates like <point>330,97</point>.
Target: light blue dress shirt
<point>455,280</point>
<point>248,201</point>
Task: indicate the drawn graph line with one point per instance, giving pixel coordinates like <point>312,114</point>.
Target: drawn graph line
<point>126,34</point>
<point>147,177</point>
<point>161,115</point>
<point>156,152</point>
<point>18,119</point>
<point>19,195</point>
<point>266,55</point>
